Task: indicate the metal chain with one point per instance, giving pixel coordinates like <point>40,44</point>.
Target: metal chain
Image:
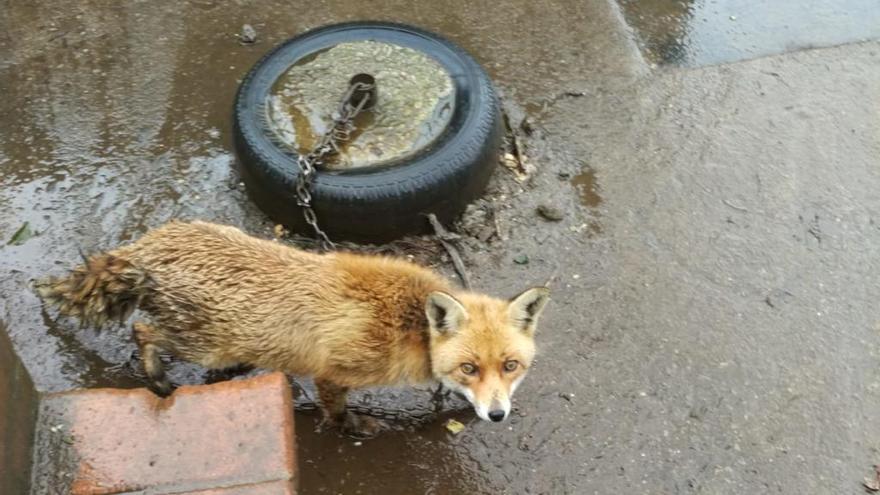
<point>413,415</point>
<point>328,145</point>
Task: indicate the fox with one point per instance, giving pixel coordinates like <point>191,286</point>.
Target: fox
<point>218,297</point>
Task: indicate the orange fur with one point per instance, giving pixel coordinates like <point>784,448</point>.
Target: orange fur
<point>218,297</point>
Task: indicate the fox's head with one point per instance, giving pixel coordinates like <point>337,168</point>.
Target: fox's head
<point>482,347</point>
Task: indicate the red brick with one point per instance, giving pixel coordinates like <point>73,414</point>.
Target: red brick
<point>223,436</point>
<point>270,488</point>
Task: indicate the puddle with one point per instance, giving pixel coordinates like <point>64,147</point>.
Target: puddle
<point>587,188</point>
<point>429,460</point>
<point>414,103</point>
<point>704,32</point>
<point>588,193</point>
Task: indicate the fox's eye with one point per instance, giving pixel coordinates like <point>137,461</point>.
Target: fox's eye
<point>511,365</point>
<point>468,369</point>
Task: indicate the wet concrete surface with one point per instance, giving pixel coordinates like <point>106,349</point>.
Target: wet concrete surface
<point>714,326</point>
<point>703,32</point>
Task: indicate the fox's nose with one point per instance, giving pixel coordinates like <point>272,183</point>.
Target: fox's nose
<point>497,415</point>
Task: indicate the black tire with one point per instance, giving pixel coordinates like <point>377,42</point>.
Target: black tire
<point>374,204</point>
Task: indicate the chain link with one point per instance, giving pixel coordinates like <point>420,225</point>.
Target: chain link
<point>328,145</point>
<point>414,415</point>
<point>417,414</point>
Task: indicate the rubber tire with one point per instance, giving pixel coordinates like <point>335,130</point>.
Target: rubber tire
<point>373,204</point>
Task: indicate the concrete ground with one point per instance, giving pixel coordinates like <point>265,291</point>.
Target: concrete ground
<point>714,327</point>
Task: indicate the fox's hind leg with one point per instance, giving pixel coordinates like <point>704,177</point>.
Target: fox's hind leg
<point>146,338</point>
<point>333,399</point>
<point>225,374</point>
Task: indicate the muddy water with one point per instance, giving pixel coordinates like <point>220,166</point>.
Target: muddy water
<point>587,188</point>
<point>434,460</point>
<point>414,104</point>
<point>701,32</point>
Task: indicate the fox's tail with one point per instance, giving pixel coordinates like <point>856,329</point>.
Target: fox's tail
<point>106,287</point>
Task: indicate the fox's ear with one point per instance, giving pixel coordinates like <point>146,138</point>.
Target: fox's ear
<point>525,308</point>
<point>445,313</point>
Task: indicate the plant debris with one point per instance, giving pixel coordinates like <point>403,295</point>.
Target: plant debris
<point>522,259</point>
<point>480,221</point>
<point>514,165</point>
<point>872,484</point>
<point>454,427</point>
<point>515,159</point>
<point>446,239</point>
<point>21,235</point>
<point>279,231</point>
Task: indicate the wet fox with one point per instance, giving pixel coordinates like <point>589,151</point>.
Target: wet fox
<point>220,298</point>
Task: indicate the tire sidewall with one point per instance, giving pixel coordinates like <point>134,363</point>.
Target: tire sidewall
<point>440,179</point>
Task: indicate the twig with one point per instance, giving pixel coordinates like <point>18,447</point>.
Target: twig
<point>517,151</point>
<point>735,207</point>
<point>445,237</point>
<point>439,230</point>
<point>493,210</point>
<point>552,277</point>
<point>515,144</point>
<point>497,223</point>
<point>57,35</point>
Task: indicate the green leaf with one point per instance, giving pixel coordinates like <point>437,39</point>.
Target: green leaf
<point>21,235</point>
<point>454,427</point>
<point>521,259</point>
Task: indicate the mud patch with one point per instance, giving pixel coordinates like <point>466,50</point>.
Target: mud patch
<point>587,188</point>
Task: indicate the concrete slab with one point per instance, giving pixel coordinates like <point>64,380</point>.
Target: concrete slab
<point>703,32</point>
<point>19,402</point>
<point>718,326</point>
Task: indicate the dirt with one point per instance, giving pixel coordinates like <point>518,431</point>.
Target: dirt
<point>587,188</point>
<point>692,196</point>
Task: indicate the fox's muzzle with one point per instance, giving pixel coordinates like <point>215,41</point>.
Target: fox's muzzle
<point>496,411</point>
<point>497,415</point>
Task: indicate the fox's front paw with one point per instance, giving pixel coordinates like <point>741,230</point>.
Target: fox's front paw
<point>161,387</point>
<point>354,425</point>
<point>362,427</point>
